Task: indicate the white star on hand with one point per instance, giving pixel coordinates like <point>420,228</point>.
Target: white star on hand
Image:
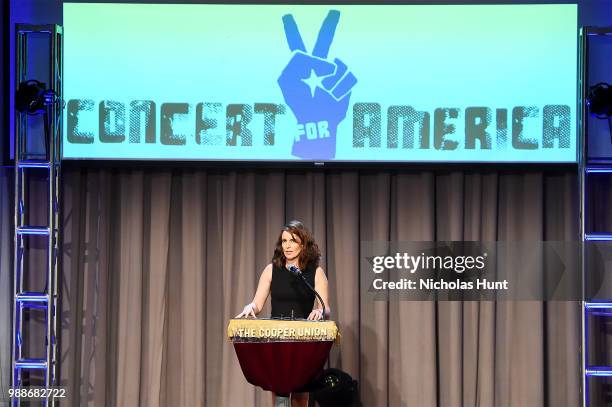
<point>313,81</point>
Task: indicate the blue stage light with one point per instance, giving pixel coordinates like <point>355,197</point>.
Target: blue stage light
<point>599,100</point>
<point>32,97</point>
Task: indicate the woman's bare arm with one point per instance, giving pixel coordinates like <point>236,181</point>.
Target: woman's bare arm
<point>263,288</point>
<point>261,295</point>
<point>321,287</point>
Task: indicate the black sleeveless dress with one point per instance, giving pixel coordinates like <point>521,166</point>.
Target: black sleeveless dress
<point>291,298</point>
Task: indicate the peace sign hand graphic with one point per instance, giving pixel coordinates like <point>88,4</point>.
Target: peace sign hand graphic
<point>316,90</point>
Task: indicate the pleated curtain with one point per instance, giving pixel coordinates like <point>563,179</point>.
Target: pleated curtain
<point>156,261</point>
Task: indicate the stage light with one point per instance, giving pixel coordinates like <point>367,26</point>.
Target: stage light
<point>32,97</point>
<point>599,100</point>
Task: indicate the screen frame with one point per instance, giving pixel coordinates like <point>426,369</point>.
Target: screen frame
<point>103,162</point>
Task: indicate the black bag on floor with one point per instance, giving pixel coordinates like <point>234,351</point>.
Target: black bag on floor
<point>335,388</point>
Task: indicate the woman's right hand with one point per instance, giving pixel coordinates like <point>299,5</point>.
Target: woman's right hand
<point>248,311</point>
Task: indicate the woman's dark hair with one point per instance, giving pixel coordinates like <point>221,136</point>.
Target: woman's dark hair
<point>310,253</point>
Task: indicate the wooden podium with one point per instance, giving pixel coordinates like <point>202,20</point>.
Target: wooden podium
<point>282,356</point>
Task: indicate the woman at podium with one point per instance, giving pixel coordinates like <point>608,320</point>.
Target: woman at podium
<point>296,252</point>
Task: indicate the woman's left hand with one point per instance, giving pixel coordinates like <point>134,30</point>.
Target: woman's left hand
<point>316,315</point>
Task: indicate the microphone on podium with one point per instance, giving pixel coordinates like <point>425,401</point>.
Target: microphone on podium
<point>298,273</point>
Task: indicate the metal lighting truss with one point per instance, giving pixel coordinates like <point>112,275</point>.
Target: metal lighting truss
<point>46,300</point>
<point>590,307</point>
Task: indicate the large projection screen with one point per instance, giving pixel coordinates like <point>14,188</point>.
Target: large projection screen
<point>388,83</point>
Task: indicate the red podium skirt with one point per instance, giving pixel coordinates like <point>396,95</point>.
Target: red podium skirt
<point>282,367</point>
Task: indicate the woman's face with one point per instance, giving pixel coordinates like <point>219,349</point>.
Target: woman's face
<point>292,246</point>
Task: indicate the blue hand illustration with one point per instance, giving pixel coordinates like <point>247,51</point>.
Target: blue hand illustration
<point>316,89</point>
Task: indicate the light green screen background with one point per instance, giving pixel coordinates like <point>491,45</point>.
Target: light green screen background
<point>498,56</point>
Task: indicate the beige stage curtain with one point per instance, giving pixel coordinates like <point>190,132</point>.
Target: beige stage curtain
<point>157,261</point>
